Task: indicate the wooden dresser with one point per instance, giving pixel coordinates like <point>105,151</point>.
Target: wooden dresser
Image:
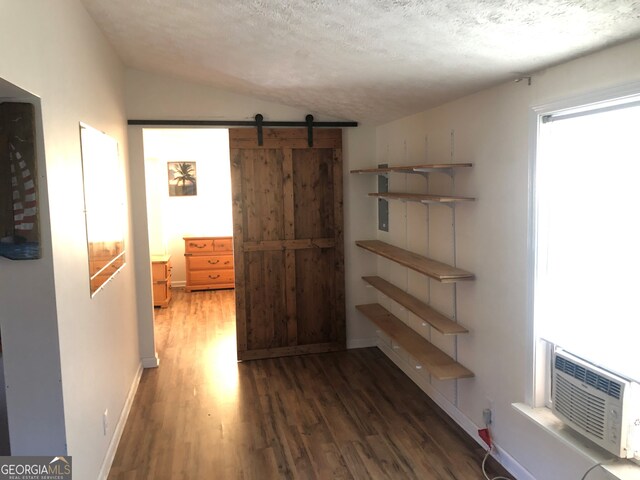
<point>161,273</point>
<point>209,263</point>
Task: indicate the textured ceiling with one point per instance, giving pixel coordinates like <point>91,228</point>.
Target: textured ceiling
<point>365,60</point>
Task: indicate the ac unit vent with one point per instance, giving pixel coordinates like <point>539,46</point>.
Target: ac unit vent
<point>586,410</point>
<point>589,377</point>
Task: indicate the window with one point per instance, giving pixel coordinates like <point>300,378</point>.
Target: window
<point>586,234</point>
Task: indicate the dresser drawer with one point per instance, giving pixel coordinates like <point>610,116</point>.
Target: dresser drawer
<point>160,271</point>
<point>198,245</point>
<point>208,262</point>
<point>161,294</point>
<point>211,277</point>
<point>223,245</point>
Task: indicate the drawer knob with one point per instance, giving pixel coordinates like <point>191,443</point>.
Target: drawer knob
<point>195,245</point>
<point>213,277</point>
<point>213,262</point>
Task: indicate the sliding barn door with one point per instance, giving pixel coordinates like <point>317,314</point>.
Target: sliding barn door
<point>288,242</point>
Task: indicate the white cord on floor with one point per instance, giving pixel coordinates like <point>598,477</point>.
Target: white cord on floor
<point>484,472</point>
<point>592,468</point>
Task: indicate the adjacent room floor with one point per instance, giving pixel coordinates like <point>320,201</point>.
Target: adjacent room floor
<point>202,415</point>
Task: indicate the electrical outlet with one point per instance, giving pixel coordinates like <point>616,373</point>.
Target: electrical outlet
<point>486,416</point>
<point>489,413</point>
<point>105,421</point>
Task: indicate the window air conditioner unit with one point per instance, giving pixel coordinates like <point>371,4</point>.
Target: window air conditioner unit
<point>600,405</point>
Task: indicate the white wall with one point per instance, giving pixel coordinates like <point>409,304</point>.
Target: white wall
<point>207,214</point>
<point>360,223</point>
<point>491,129</point>
<point>153,96</point>
<point>57,337</point>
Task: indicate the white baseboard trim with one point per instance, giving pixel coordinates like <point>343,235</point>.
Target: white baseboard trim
<point>506,460</point>
<point>512,466</point>
<point>361,343</point>
<point>179,284</point>
<point>150,362</point>
<point>117,433</point>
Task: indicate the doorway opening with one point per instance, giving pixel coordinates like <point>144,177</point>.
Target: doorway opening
<point>284,246</point>
<point>188,190</point>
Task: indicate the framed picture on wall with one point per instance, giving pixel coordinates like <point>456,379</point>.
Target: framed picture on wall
<point>182,179</point>
<point>19,215</point>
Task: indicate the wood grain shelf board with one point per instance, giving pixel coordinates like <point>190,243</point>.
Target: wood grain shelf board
<point>441,323</point>
<point>422,198</point>
<point>434,360</point>
<point>437,270</point>
<point>425,168</point>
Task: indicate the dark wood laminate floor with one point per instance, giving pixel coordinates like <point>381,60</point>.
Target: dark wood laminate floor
<point>345,415</point>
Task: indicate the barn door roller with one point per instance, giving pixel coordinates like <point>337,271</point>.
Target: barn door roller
<point>309,123</point>
<point>259,119</point>
<point>309,119</point>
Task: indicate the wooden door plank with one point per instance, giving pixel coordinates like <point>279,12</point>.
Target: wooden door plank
<point>338,231</point>
<point>255,354</point>
<point>266,310</point>
<point>287,191</point>
<point>314,204</point>
<point>238,210</point>
<point>271,133</point>
<point>252,230</point>
<point>314,293</point>
<point>276,138</point>
<point>263,195</point>
<point>313,192</point>
<point>290,256</point>
<point>290,298</point>
<point>297,244</point>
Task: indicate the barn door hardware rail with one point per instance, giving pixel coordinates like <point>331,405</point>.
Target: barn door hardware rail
<point>259,123</point>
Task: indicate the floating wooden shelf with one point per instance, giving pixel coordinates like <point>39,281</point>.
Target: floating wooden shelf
<point>438,363</point>
<point>438,271</point>
<point>422,198</point>
<point>428,168</point>
<point>444,325</point>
